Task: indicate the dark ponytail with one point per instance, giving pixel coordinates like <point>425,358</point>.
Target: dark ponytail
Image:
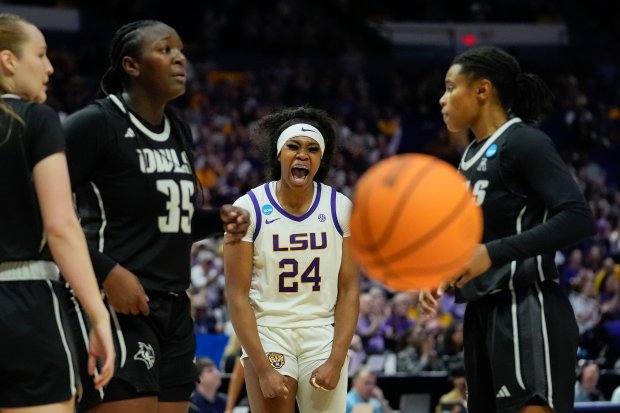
<point>533,98</point>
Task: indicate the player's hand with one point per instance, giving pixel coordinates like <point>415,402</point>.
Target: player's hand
<point>326,376</point>
<point>273,384</point>
<point>428,300</point>
<point>480,263</point>
<point>125,293</point>
<point>101,348</point>
<point>236,221</point>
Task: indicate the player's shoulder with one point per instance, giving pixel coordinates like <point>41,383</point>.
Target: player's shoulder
<point>255,193</point>
<point>331,191</point>
<point>96,117</point>
<point>526,138</point>
<point>39,119</point>
<point>29,110</point>
<point>94,110</point>
<point>523,133</point>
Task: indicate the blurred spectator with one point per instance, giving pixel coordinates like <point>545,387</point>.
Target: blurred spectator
<point>609,294</point>
<point>235,385</point>
<point>571,269</point>
<point>364,390</point>
<point>399,321</point>
<point>615,396</point>
<point>207,275</point>
<point>205,320</point>
<point>357,355</point>
<point>450,308</point>
<point>420,354</point>
<point>594,258</point>
<point>371,326</point>
<point>451,346</point>
<point>457,395</point>
<point>231,353</point>
<point>586,386</point>
<point>206,399</point>
<point>584,302</point>
<point>443,147</point>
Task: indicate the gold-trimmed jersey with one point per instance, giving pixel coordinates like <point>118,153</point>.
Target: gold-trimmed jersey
<point>296,259</point>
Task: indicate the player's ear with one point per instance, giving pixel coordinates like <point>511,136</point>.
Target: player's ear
<point>483,88</point>
<point>130,66</point>
<point>7,59</point>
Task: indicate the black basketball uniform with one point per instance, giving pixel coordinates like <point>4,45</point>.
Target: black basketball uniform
<point>36,354</point>
<point>520,330</point>
<point>134,192</point>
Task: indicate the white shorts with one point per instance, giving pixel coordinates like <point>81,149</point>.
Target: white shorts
<point>296,352</point>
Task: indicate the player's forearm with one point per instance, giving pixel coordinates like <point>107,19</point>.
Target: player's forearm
<point>344,323</point>
<point>68,247</point>
<point>564,228</point>
<point>244,323</point>
<point>206,223</point>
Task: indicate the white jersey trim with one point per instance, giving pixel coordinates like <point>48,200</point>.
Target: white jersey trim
<point>63,338</point>
<point>159,137</point>
<point>465,165</point>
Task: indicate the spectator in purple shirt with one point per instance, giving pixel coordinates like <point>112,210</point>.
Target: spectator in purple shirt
<point>371,326</point>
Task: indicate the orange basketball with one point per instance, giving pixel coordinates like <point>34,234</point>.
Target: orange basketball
<point>414,223</point>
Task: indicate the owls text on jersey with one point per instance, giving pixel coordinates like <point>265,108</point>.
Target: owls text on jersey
<point>134,191</point>
<point>531,206</point>
<point>296,260</point>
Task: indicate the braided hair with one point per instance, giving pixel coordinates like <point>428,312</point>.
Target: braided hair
<point>271,126</point>
<point>126,42</point>
<point>521,94</point>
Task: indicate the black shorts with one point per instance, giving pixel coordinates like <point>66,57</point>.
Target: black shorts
<point>154,354</point>
<point>37,363</point>
<point>520,349</point>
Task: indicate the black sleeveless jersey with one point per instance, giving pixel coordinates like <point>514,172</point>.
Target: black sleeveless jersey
<point>22,146</point>
<point>531,205</point>
<point>134,191</point>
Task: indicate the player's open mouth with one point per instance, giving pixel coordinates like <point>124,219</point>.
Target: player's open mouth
<point>299,173</point>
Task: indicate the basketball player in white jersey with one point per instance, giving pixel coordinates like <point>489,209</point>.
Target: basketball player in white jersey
<point>291,284</point>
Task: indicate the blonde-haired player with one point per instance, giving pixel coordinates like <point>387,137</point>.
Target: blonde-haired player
<point>292,285</point>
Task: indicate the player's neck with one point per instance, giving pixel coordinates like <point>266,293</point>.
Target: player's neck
<point>295,201</point>
<point>148,109</point>
<point>489,122</point>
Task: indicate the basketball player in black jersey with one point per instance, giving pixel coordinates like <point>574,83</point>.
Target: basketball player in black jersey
<point>132,172</point>
<point>37,368</point>
<point>520,331</point>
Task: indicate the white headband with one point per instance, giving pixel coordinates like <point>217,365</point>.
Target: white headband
<point>300,129</point>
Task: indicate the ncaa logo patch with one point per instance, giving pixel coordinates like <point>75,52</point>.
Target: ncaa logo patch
<point>322,217</point>
<point>276,360</point>
<point>267,209</point>
<point>491,151</point>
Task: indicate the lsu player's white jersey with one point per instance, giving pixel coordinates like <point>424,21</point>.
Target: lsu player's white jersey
<point>296,260</point>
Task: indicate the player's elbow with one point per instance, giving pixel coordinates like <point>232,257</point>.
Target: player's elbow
<point>61,227</point>
<point>235,296</point>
